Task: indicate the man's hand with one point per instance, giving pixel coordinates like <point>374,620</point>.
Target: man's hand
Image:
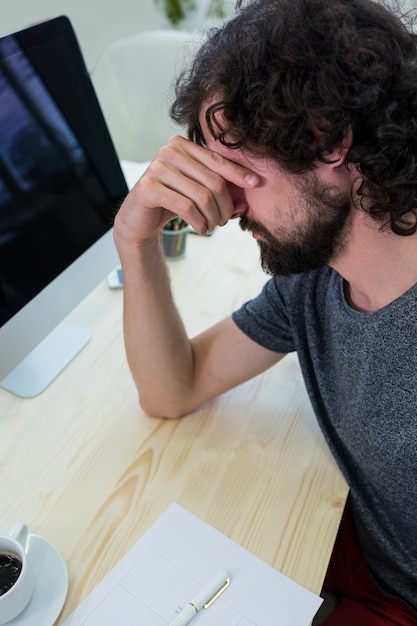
<point>185,180</point>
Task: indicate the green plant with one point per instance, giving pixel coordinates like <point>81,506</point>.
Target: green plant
<point>175,9</point>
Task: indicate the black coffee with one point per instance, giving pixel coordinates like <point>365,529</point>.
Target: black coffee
<point>10,568</point>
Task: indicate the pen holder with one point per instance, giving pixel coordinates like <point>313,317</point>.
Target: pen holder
<point>174,242</point>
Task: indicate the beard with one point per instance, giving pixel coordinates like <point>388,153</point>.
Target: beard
<point>311,245</point>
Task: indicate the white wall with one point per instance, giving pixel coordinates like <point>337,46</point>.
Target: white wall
<point>96,22</point>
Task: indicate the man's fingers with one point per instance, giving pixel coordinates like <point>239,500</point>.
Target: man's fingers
<point>229,170</point>
<point>204,176</point>
<point>183,197</point>
<point>187,180</point>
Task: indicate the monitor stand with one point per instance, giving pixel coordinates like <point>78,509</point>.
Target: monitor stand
<point>39,368</point>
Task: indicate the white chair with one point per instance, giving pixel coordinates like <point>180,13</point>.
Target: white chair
<point>134,79</point>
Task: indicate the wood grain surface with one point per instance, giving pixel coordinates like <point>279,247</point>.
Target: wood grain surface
<point>84,467</point>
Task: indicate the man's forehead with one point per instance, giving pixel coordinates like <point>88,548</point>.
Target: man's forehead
<point>216,121</point>
<point>202,116</point>
<point>241,156</point>
<point>210,141</point>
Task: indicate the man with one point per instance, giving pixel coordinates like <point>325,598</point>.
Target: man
<point>302,120</point>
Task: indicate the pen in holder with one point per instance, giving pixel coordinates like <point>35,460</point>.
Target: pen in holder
<point>174,238</point>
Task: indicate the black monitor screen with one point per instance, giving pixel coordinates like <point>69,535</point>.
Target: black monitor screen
<point>60,180</point>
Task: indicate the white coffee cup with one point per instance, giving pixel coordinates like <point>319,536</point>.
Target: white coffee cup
<point>15,599</point>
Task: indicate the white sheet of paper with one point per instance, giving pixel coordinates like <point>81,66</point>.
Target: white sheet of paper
<point>172,562</point>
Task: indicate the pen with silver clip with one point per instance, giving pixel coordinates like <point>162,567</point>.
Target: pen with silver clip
<point>204,599</point>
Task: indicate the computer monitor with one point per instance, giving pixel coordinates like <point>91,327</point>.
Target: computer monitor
<point>60,186</point>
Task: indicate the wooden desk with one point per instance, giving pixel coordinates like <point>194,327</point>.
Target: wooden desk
<point>88,470</point>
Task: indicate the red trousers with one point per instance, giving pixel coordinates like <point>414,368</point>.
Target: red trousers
<point>361,602</point>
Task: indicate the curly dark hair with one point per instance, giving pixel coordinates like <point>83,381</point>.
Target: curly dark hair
<point>295,76</point>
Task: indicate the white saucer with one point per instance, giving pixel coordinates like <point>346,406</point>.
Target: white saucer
<point>51,584</point>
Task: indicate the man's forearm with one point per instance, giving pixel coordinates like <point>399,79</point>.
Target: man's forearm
<point>157,347</point>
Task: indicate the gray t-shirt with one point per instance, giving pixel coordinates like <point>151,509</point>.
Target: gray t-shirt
<point>360,371</point>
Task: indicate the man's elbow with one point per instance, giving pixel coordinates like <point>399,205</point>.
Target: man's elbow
<point>167,410</point>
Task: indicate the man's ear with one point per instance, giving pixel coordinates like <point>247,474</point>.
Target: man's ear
<point>337,157</point>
